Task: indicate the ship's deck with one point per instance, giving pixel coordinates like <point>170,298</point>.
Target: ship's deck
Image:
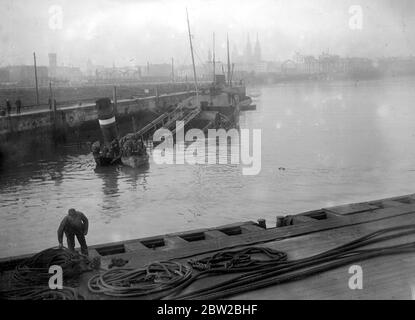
<point>388,277</point>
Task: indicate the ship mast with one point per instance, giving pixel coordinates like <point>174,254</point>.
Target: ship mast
<point>213,61</point>
<point>193,58</point>
<point>229,60</point>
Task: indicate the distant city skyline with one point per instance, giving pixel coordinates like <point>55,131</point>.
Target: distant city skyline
<point>129,33</point>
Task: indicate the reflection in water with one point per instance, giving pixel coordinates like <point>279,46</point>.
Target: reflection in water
<point>137,176</point>
<point>111,207</point>
<point>339,142</point>
<point>110,192</point>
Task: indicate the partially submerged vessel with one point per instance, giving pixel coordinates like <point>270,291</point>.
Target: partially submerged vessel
<point>133,151</point>
<point>130,150</point>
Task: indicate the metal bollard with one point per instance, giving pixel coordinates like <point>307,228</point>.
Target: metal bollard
<point>262,223</point>
<point>280,222</point>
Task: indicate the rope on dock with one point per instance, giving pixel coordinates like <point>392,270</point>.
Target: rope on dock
<point>281,271</point>
<point>238,260</point>
<point>35,270</point>
<point>156,279</point>
<point>41,293</point>
<point>30,279</point>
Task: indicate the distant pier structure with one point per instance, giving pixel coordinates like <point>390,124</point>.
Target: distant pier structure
<point>78,122</point>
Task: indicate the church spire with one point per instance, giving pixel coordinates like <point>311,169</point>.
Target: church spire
<point>257,50</point>
<point>248,51</point>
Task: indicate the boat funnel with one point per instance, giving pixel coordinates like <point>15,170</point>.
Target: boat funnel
<point>106,119</point>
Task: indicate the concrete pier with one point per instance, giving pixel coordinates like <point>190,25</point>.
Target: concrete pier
<point>77,115</point>
<point>25,136</point>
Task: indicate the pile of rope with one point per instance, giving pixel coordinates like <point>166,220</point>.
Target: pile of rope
<point>238,260</point>
<point>30,279</point>
<point>156,279</point>
<point>35,270</point>
<point>256,275</point>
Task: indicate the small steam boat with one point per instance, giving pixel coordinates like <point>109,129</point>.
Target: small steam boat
<point>129,150</point>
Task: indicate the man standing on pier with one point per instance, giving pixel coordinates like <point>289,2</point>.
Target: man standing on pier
<point>18,105</point>
<point>74,224</point>
<point>8,107</point>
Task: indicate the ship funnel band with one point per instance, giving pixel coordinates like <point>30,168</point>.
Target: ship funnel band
<point>105,122</point>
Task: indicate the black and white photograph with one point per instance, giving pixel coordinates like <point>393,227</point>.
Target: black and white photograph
<point>229,152</point>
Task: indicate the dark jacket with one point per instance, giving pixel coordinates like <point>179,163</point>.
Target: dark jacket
<point>73,224</point>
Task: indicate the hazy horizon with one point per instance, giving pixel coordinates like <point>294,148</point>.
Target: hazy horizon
<point>128,33</point>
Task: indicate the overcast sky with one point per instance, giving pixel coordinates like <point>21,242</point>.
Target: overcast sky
<point>128,32</point>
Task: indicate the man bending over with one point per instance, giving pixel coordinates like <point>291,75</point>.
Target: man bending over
<point>74,224</point>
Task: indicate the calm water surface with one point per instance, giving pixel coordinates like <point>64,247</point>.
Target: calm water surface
<point>339,142</point>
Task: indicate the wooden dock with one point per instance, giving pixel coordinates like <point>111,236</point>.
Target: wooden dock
<point>309,233</point>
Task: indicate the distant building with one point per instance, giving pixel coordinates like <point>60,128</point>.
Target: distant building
<point>159,70</point>
<point>117,73</point>
<point>205,72</point>
<point>257,51</point>
<point>24,75</point>
<point>251,60</point>
<point>62,73</point>
<point>248,52</point>
<point>90,69</point>
<point>395,66</point>
<point>236,56</point>
<point>68,74</point>
<point>261,67</point>
<point>330,65</point>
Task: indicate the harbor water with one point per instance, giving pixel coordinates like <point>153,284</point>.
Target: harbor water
<point>323,144</point>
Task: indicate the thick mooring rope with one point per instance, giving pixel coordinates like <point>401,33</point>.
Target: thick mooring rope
<point>35,270</point>
<point>281,271</point>
<point>239,260</point>
<point>30,279</point>
<point>155,279</point>
<point>41,293</point>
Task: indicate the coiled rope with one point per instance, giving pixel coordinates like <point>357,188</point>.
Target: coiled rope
<point>35,270</point>
<point>156,278</point>
<point>41,293</point>
<point>238,260</point>
<point>279,270</point>
<point>30,279</point>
